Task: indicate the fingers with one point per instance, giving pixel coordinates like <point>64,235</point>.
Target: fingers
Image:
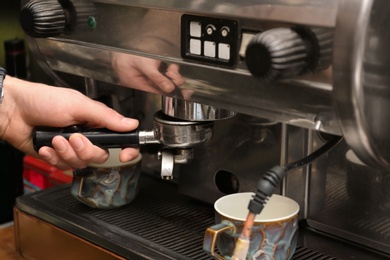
<point>50,156</point>
<point>174,74</point>
<point>128,154</point>
<point>82,149</point>
<point>150,68</point>
<point>79,152</point>
<point>99,115</point>
<point>165,84</point>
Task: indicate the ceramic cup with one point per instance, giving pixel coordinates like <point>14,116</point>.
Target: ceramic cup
<point>274,233</point>
<point>109,185</point>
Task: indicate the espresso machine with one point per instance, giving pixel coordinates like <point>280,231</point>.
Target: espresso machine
<point>258,83</point>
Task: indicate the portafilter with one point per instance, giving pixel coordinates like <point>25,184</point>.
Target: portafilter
<point>172,133</point>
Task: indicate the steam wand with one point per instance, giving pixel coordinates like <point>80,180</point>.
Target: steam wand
<point>265,188</point>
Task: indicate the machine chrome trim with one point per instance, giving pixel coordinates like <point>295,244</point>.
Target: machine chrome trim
<point>185,110</point>
<point>361,81</point>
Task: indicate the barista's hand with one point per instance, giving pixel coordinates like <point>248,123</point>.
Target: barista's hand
<point>146,74</point>
<point>27,105</point>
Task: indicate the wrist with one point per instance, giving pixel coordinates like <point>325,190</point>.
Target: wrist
<point>7,106</point>
<point>2,76</point>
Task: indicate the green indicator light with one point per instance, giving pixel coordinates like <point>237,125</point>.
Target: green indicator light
<point>92,22</point>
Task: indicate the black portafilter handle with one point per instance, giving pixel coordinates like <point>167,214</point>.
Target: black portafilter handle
<point>101,137</point>
<point>265,188</point>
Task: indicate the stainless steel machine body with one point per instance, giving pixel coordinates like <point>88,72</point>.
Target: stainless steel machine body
<point>293,72</point>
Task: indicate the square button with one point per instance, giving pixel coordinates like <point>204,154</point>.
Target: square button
<point>209,49</point>
<point>195,29</point>
<point>224,51</point>
<point>195,46</point>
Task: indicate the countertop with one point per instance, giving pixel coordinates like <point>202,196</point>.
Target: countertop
<point>7,243</point>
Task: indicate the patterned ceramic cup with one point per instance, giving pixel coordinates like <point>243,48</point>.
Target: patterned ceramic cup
<point>274,234</point>
<point>108,185</point>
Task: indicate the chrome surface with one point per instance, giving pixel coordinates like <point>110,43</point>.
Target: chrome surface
<point>361,79</point>
<point>319,13</point>
<point>175,133</point>
<point>181,134</point>
<point>170,157</point>
<point>191,111</point>
<point>148,137</point>
<point>137,46</point>
<point>184,155</point>
<point>91,89</point>
<point>177,137</point>
<point>167,163</point>
<point>129,47</point>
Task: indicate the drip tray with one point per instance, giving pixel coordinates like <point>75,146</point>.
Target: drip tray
<point>158,224</point>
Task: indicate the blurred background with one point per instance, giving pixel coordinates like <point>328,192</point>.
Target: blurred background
<point>16,59</point>
<point>9,24</point>
<point>10,30</point>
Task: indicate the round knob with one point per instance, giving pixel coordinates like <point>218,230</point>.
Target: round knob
<point>49,18</point>
<point>322,39</point>
<point>277,53</point>
<point>43,18</point>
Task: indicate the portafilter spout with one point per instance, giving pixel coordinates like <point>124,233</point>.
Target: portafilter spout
<point>177,136</point>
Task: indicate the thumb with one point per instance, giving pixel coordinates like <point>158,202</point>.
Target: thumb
<point>99,115</point>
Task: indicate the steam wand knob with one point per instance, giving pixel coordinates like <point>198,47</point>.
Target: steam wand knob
<point>277,54</point>
<point>51,18</point>
<point>283,53</point>
<point>43,18</point>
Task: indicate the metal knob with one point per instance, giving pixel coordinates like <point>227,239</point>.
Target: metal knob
<point>43,18</point>
<point>276,53</point>
<point>322,38</point>
<point>50,18</point>
<point>287,52</point>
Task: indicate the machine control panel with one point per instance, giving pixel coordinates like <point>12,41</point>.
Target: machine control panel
<point>209,40</point>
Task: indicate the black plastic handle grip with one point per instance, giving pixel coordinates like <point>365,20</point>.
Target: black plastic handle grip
<point>101,137</point>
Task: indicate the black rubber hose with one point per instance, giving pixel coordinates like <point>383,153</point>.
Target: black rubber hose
<point>271,179</point>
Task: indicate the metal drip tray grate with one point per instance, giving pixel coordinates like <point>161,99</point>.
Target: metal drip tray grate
<point>302,253</point>
<point>159,224</point>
